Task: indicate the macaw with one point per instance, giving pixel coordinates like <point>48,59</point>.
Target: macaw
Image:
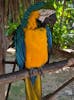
<point>32,40</point>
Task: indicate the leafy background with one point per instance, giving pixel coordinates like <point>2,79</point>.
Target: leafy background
<point>63,35</point>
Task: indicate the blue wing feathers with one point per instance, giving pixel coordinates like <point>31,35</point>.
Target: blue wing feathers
<point>20,47</point>
<point>49,37</point>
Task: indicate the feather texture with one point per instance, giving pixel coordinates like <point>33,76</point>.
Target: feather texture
<point>34,7</point>
<point>49,36</point>
<point>20,47</point>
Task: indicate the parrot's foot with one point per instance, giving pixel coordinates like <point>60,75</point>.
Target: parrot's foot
<point>33,71</point>
<point>40,71</point>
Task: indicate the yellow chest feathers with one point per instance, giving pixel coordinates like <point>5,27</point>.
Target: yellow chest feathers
<point>36,47</point>
<point>36,43</point>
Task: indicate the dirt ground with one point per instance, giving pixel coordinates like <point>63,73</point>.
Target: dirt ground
<point>50,82</point>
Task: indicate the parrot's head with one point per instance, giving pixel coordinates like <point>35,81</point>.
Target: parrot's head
<point>32,20</point>
<point>47,16</point>
<point>41,18</point>
<point>40,13</point>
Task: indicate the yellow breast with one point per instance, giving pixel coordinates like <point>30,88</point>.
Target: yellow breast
<point>36,47</point>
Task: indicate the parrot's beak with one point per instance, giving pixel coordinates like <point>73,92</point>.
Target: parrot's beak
<point>47,17</point>
<point>45,13</point>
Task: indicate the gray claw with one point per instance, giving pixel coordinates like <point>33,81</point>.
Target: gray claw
<point>35,70</point>
<point>40,70</point>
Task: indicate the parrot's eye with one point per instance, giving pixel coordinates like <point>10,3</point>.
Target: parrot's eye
<point>39,23</point>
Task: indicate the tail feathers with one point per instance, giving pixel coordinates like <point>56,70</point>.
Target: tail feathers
<point>33,78</point>
<point>33,92</point>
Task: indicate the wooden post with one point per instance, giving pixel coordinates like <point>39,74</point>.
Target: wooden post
<point>2,87</point>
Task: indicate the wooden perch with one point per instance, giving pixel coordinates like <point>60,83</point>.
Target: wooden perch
<point>22,74</point>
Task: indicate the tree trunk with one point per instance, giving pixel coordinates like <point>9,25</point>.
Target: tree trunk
<point>27,3</point>
<point>2,47</point>
<point>6,11</point>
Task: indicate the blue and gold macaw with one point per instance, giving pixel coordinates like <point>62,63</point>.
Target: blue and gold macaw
<point>32,40</point>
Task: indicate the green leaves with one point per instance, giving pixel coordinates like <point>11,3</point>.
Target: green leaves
<point>65,18</point>
<point>11,28</point>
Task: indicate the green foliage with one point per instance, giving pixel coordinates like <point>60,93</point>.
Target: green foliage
<point>49,4</point>
<point>68,40</point>
<point>61,31</point>
<point>11,28</point>
<point>11,25</point>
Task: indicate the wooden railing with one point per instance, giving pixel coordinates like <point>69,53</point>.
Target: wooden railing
<point>22,74</point>
<point>18,75</point>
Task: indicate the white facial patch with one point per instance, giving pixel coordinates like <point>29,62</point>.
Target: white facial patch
<point>45,13</point>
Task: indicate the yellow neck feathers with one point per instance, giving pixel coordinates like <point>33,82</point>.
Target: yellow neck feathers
<point>32,20</point>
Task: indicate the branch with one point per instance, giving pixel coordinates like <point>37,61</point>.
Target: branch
<point>22,74</point>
